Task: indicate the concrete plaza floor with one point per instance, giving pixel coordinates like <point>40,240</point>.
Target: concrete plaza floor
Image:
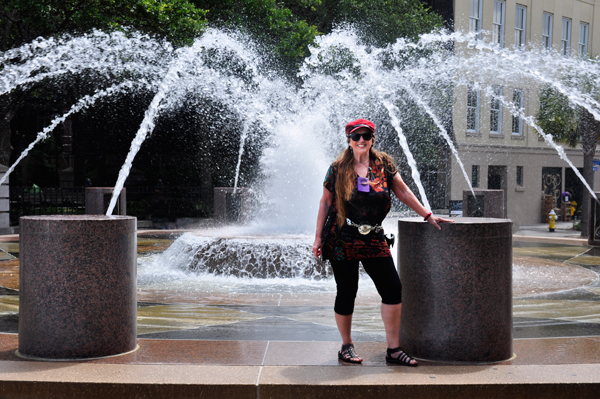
<point>272,345</point>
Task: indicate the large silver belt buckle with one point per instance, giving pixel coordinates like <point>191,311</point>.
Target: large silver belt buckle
<point>364,229</point>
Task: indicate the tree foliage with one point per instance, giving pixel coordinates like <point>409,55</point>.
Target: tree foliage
<point>558,118</point>
<point>290,26</point>
<point>287,26</point>
<point>379,22</point>
<point>23,20</point>
<point>567,123</point>
<point>269,22</point>
<point>572,125</point>
<point>285,29</point>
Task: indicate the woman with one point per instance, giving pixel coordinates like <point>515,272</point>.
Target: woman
<point>356,199</point>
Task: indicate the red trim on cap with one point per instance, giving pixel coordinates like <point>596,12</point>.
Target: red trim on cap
<point>357,124</point>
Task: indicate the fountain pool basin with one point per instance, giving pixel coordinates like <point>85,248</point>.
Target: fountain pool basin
<point>167,272</point>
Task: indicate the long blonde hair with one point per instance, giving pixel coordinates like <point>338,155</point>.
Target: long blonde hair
<point>346,176</point>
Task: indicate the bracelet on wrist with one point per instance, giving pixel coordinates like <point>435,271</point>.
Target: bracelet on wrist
<point>427,217</point>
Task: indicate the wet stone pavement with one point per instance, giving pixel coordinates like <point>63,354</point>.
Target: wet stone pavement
<point>556,295</point>
<point>247,340</point>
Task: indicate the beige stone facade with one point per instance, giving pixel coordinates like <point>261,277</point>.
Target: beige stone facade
<point>500,158</point>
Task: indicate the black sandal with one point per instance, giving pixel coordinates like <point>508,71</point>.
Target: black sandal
<point>347,354</point>
<point>402,359</point>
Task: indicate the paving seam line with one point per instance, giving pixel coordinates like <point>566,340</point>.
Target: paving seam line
<point>260,371</point>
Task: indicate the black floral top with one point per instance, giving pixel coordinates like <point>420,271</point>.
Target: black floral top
<point>345,242</point>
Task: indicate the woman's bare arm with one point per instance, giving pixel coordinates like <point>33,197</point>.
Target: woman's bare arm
<point>324,205</point>
<point>405,195</point>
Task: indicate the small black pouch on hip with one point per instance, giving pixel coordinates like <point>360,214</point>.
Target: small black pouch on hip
<point>390,239</point>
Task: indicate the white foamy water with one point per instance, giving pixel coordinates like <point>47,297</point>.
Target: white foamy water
<point>341,80</point>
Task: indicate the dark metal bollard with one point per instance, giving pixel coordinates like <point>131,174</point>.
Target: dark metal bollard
<point>97,200</point>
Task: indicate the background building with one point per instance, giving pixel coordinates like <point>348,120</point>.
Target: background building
<point>498,150</point>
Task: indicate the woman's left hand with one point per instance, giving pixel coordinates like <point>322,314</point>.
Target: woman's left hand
<point>436,220</point>
<point>317,247</point>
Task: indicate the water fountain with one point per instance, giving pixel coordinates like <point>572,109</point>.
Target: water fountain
<point>383,83</point>
<point>304,123</point>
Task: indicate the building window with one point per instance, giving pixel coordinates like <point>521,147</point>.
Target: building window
<point>472,109</point>
<point>496,111</point>
<point>517,121</point>
<point>520,26</point>
<point>547,31</point>
<point>583,38</point>
<point>565,42</point>
<point>520,176</point>
<point>475,175</point>
<point>498,23</point>
<point>475,17</point>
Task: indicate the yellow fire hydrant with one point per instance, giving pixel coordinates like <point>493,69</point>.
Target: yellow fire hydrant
<point>552,220</point>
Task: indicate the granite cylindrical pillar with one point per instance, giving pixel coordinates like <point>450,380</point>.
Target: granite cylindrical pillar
<point>77,286</point>
<point>457,289</point>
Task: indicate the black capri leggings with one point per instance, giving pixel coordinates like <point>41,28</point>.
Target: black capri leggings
<point>381,270</point>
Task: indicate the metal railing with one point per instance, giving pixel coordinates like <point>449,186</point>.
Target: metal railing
<point>142,202</point>
<point>27,201</point>
<point>169,202</point>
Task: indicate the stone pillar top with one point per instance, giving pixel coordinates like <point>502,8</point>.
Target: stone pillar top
<point>111,189</point>
<point>77,224</point>
<point>76,217</point>
<point>459,220</point>
<point>462,227</point>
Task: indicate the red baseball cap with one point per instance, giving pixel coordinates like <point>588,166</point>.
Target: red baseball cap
<point>352,126</point>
